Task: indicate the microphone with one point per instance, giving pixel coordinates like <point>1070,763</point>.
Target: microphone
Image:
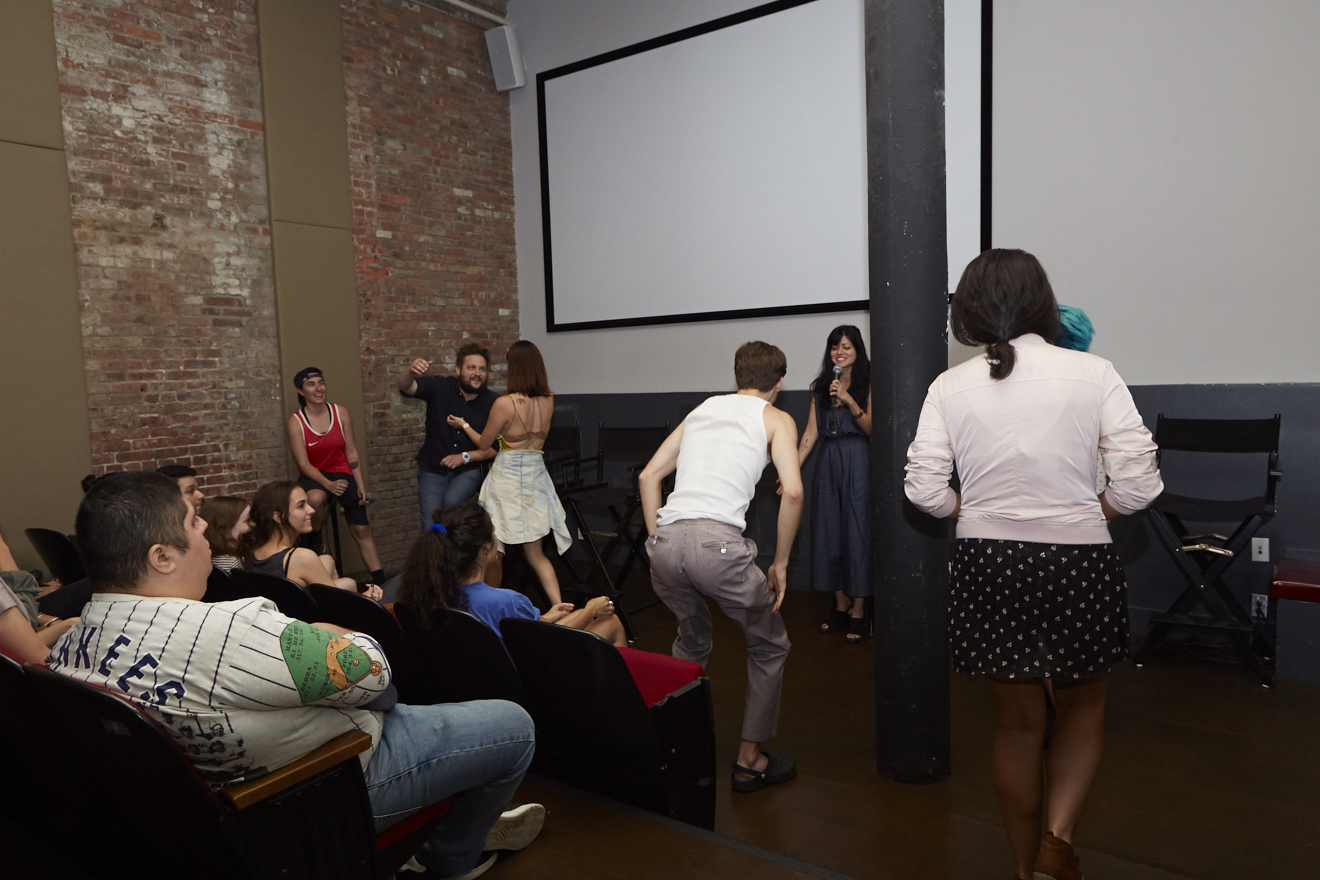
<point>834,398</point>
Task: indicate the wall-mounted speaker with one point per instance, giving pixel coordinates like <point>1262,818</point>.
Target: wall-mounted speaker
<point>505,58</point>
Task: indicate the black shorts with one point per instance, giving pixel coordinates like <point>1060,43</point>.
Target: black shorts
<point>355,512</point>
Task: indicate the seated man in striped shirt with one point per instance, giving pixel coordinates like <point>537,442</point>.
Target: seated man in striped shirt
<point>245,690</point>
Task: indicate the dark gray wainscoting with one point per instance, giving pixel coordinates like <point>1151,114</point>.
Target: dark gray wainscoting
<point>1154,583</point>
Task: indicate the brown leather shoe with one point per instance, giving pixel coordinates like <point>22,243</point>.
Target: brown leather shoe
<point>1057,860</point>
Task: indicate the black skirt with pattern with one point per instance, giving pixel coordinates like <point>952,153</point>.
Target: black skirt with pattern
<point>1024,610</point>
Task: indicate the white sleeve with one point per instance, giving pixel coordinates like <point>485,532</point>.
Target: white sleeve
<point>930,463</point>
<point>1127,451</point>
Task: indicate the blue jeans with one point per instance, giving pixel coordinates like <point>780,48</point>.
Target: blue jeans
<point>476,752</point>
<point>441,490</point>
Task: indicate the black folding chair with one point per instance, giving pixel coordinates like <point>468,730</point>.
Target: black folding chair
<point>465,658</point>
<point>594,729</point>
<point>59,554</point>
<point>356,612</point>
<point>292,600</point>
<point>625,451</point>
<point>1202,558</point>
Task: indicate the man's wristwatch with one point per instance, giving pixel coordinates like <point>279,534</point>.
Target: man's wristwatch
<point>467,459</point>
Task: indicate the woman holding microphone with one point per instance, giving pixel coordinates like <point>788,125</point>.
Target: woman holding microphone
<point>840,420</point>
<point>1038,601</point>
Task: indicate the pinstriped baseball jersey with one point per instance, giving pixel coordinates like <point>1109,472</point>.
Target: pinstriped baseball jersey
<point>244,689</point>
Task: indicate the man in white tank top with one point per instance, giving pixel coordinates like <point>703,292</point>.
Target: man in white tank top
<point>697,548</point>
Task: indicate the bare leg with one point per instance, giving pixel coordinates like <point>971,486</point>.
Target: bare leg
<point>749,756</point>
<point>545,571</point>
<point>319,503</point>
<point>1079,737</point>
<point>841,603</point>
<point>367,544</point>
<point>610,628</point>
<point>1019,736</point>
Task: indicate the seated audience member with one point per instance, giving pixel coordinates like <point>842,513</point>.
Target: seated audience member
<point>186,477</point>
<point>235,686</point>
<point>18,613</point>
<point>228,519</point>
<point>444,570</point>
<point>280,513</point>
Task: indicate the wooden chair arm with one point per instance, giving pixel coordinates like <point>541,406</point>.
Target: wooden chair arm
<point>341,748</point>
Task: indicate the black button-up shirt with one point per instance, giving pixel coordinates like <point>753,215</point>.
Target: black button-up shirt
<point>443,397</point>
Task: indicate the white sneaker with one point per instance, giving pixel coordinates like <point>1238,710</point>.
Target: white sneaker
<point>487,860</point>
<point>516,828</point>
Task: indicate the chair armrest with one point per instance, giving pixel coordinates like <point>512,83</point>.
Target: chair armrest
<point>341,748</point>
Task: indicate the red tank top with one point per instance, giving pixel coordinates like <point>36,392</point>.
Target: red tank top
<point>325,451</point>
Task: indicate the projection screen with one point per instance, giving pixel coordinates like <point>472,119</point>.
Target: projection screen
<point>672,191</point>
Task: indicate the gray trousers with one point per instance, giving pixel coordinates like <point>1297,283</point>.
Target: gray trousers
<point>697,558</point>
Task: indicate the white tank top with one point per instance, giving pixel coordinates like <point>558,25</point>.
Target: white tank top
<point>720,461</point>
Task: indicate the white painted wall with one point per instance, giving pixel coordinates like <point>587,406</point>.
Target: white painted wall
<point>1162,159</point>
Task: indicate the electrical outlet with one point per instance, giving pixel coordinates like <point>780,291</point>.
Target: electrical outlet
<point>1260,549</point>
<point>1260,606</point>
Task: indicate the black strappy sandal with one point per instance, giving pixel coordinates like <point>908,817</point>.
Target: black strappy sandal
<point>857,630</point>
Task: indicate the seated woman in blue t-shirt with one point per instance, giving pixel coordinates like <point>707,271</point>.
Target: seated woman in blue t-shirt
<point>444,571</point>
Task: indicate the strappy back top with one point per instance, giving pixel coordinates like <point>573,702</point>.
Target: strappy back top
<point>536,432</point>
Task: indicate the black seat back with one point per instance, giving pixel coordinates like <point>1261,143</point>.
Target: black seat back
<point>1198,471</point>
<point>620,452</point>
<point>464,656</point>
<point>292,600</point>
<point>114,754</point>
<point>58,553</point>
<point>355,612</point>
<point>220,586</point>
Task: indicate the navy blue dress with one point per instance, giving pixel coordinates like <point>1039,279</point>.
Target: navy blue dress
<point>841,508</point>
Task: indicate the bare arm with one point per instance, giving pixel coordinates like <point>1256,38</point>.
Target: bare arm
<point>809,435</point>
<point>407,383</point>
<point>599,607</point>
<point>17,637</point>
<point>305,567</point>
<point>454,461</point>
<point>501,414</point>
<point>783,452</point>
<point>299,450</point>
<point>351,453</point>
<point>661,465</point>
<point>7,562</point>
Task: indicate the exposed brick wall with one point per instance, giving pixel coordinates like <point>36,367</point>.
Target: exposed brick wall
<point>431,162</point>
<point>163,135</point>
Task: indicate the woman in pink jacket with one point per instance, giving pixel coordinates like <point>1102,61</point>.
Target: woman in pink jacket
<point>1038,602</point>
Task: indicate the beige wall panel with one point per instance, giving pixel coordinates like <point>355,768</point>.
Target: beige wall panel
<point>29,80</point>
<point>316,296</point>
<point>302,81</point>
<point>43,430</point>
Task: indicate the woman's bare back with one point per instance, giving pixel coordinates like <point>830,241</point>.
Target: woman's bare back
<point>531,421</point>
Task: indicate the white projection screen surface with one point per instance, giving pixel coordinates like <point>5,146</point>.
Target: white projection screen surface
<point>718,172</point>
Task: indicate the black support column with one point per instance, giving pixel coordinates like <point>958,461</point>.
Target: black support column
<point>908,276</point>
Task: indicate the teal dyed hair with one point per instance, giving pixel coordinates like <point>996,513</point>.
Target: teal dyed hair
<point>1075,329</point>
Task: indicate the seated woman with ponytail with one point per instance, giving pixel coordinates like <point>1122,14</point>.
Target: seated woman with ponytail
<point>444,571</point>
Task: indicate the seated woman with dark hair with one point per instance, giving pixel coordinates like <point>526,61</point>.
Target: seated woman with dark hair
<point>228,519</point>
<point>280,513</point>
<point>444,571</point>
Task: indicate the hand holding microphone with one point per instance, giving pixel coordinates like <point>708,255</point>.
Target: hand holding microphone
<point>834,397</point>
